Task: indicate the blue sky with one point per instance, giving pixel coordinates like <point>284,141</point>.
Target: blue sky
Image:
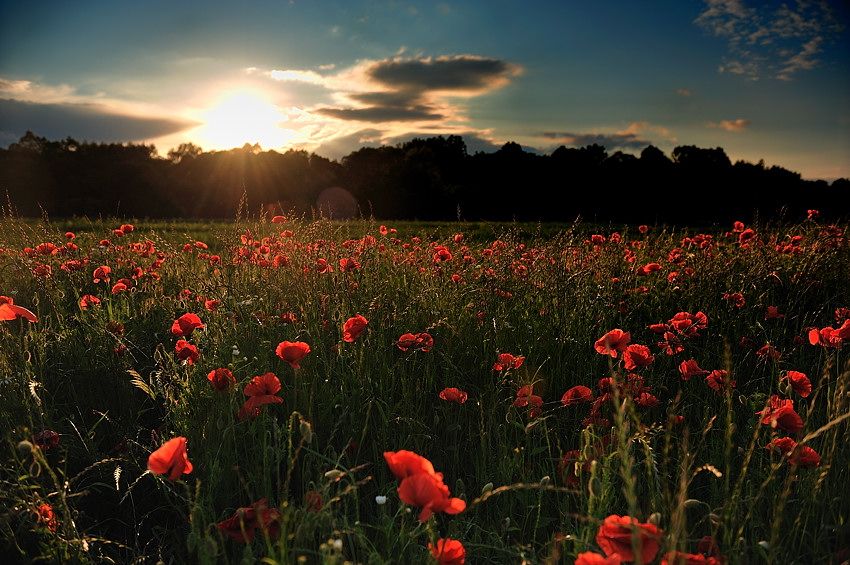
<point>763,80</point>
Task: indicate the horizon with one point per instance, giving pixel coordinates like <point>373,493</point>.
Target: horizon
<point>764,82</point>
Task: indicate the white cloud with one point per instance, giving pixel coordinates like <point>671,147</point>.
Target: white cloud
<point>730,125</point>
<point>768,41</point>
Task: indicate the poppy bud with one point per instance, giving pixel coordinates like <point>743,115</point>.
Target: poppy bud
<point>487,488</point>
<point>24,448</point>
<point>655,518</point>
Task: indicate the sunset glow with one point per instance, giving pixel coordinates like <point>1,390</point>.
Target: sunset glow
<point>243,118</point>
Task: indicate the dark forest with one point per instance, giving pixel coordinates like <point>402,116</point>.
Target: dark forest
<point>422,179</point>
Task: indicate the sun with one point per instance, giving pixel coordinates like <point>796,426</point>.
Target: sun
<point>242,118</point>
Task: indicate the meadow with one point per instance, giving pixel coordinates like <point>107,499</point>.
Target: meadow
<point>291,390</point>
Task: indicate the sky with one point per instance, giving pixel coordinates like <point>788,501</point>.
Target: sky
<point>763,80</point>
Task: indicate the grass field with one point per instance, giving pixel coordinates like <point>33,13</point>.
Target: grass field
<point>294,391</point>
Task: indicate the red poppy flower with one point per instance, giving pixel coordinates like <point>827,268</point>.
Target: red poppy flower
<point>690,368</point>
<point>292,352</point>
<point>637,356</point>
<point>619,535</point>
<point>679,558</point>
<point>348,264</point>
<point>780,414</point>
<point>612,342</point>
<point>212,305</point>
<point>171,459</point>
<point>186,352</point>
<point>186,324</point>
<point>773,313</point>
<point>427,491</point>
<point>827,337</point>
<point>47,517</point>
<point>46,439</point>
<point>577,394</point>
<point>101,274</point>
<point>799,382</point>
<point>735,298</point>
<point>507,361</point>
<point>448,552</point>
<point>421,341</point>
<point>453,395</point>
<point>688,324</point>
<point>804,456</point>
<point>782,445</point>
<point>242,526</point>
<point>8,310</point>
<point>353,328</point>
<point>222,379</point>
<point>591,558</point>
<point>405,463</point>
<point>719,380</point>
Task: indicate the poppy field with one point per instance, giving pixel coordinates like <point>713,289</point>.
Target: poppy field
<point>285,390</point>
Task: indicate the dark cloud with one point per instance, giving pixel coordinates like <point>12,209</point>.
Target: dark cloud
<point>83,122</point>
<point>411,84</point>
<point>459,73</point>
<point>625,140</point>
<point>378,114</point>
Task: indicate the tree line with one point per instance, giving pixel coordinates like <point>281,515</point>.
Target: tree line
<point>426,179</point>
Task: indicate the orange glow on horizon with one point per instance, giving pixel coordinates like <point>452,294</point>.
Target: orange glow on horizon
<point>241,118</point>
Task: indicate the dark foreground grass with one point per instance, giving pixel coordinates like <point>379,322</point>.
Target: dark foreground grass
<point>686,455</point>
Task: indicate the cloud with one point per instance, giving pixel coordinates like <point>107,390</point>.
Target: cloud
<point>630,138</point>
<point>684,92</point>
<point>378,114</point>
<point>406,89</point>
<point>730,125</point>
<point>82,121</point>
<point>770,41</point>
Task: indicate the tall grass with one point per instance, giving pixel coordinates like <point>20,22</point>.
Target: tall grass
<point>693,462</point>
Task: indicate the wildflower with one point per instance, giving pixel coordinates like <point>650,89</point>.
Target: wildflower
<point>773,313</point>
<point>212,305</point>
<point>591,558</point>
<point>186,324</point>
<point>242,526</point>
<point>719,380</point>
<point>292,352</point>
<point>9,311</point>
<point>186,352</point>
<point>734,298</point>
<point>420,485</point>
<point>323,266</point>
<point>260,391</point>
<point>46,439</point>
<point>577,394</point>
<point>101,274</point>
<point>448,552</point>
<point>687,324</point>
<point>47,517</point>
<point>612,342</point>
<point>690,368</point>
<point>780,414</point>
<point>679,558</point>
<point>353,328</point>
<point>453,395</point>
<point>507,361</point>
<point>427,491</point>
<point>620,535</point>
<point>637,356</point>
<point>768,352</point>
<point>348,265</point>
<point>171,459</point>
<point>525,397</point>
<point>222,379</point>
<point>421,341</point>
<point>804,456</point>
<point>830,337</point>
<point>799,382</point>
